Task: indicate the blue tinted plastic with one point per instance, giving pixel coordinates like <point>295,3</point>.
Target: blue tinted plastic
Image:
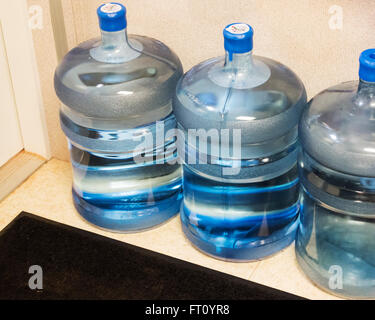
<point>240,206</point>
<point>337,168</point>
<point>116,91</point>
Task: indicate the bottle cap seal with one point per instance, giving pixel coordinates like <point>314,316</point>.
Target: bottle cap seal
<point>112,17</point>
<point>238,38</point>
<point>367,65</point>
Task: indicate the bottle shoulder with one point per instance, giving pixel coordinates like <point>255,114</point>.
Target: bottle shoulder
<point>211,92</point>
<point>151,49</point>
<point>147,80</point>
<point>338,128</point>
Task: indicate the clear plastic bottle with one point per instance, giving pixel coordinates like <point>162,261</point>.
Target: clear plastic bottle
<point>243,202</point>
<point>335,241</point>
<point>116,91</point>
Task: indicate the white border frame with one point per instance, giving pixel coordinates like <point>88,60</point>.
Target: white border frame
<point>25,77</point>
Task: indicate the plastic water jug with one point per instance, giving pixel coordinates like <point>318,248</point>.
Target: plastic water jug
<point>238,115</point>
<point>116,92</point>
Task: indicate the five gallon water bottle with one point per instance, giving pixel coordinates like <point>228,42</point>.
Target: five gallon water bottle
<point>239,116</point>
<point>117,94</point>
<point>335,242</point>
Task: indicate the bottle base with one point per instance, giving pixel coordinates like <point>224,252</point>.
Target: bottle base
<point>130,217</point>
<point>246,252</point>
<point>328,280</point>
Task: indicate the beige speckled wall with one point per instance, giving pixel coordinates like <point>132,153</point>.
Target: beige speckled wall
<point>46,59</point>
<point>298,33</point>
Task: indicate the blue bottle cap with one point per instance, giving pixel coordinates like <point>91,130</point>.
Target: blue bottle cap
<point>112,17</point>
<point>367,65</point>
<point>238,38</point>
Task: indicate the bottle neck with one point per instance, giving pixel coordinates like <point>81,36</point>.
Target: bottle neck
<point>239,61</point>
<point>365,97</point>
<point>114,40</point>
<point>241,71</point>
<point>366,86</point>
<point>115,48</point>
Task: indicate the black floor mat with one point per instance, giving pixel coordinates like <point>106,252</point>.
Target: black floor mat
<point>81,265</point>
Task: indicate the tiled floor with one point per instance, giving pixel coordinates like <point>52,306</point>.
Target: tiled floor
<point>47,193</point>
